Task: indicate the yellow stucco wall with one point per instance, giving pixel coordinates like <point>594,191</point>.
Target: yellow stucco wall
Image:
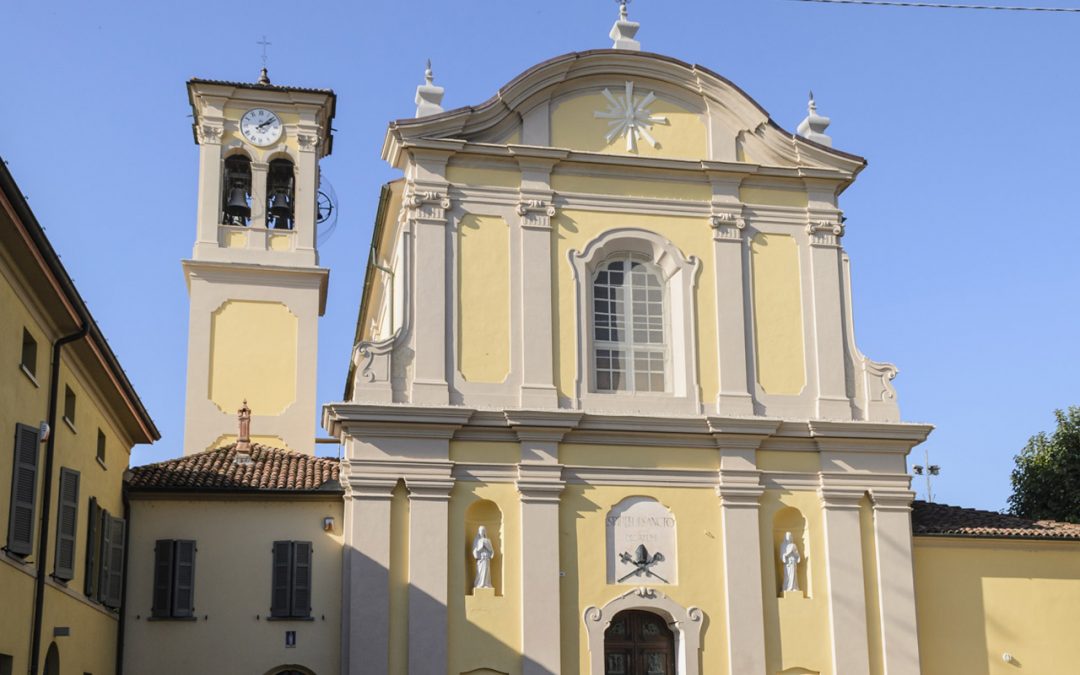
<point>778,322</point>
<point>484,298</point>
<point>234,539</point>
<point>574,229</point>
<point>582,552</point>
<point>464,174</point>
<point>91,644</point>
<point>793,195</point>
<point>574,126</point>
<point>253,356</point>
<point>271,441</point>
<point>484,626</point>
<point>980,598</point>
<point>631,187</point>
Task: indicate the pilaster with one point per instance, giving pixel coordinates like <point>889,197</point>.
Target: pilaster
<point>426,204</point>
<point>896,583</point>
<point>429,500</point>
<point>844,570</point>
<point>259,171</point>
<point>824,227</point>
<point>740,493</point>
<point>307,188</point>
<point>728,226</point>
<point>536,210</point>
<point>365,630</point>
<point>540,485</point>
<point>209,134</point>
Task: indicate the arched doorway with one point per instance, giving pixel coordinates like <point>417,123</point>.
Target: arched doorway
<point>638,643</point>
<point>52,661</point>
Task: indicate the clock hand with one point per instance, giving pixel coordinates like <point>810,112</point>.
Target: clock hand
<point>260,126</point>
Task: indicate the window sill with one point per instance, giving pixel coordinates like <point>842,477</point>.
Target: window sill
<point>101,464</point>
<point>290,618</point>
<point>29,375</point>
<point>71,425</point>
<point>172,618</point>
<point>641,403</point>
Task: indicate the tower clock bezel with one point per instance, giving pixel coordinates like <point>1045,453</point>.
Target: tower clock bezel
<point>249,125</point>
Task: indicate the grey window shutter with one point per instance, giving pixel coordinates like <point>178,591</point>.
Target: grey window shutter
<point>93,553</point>
<point>183,600</point>
<point>103,553</point>
<point>163,576</point>
<point>67,514</point>
<point>20,538</point>
<point>301,585</point>
<point>115,552</point>
<point>280,595</point>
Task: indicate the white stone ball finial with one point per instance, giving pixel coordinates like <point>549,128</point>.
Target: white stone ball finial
<point>814,126</point>
<point>428,96</point>
<point>624,30</point>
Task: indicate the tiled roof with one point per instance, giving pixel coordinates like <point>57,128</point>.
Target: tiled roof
<point>256,85</point>
<point>945,520</point>
<point>216,470</point>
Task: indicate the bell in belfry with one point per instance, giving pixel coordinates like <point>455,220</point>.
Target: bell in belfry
<point>237,206</point>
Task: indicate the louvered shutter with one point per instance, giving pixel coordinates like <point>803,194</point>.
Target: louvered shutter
<point>67,515</point>
<point>115,552</point>
<point>20,539</point>
<point>280,596</point>
<point>93,555</point>
<point>301,581</point>
<point>163,576</point>
<point>103,553</point>
<point>184,580</point>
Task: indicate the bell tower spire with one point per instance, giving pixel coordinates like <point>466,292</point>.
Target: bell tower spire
<point>254,282</point>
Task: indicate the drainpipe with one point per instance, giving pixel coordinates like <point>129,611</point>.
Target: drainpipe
<point>46,495</point>
<point>123,589</point>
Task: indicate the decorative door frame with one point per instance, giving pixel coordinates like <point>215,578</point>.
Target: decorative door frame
<point>684,622</point>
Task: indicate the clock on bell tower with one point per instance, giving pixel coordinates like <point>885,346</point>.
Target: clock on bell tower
<point>254,282</point>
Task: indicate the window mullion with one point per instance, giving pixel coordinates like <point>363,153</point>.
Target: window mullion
<point>628,323</point>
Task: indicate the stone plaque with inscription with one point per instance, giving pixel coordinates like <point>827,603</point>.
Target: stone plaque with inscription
<point>641,543</point>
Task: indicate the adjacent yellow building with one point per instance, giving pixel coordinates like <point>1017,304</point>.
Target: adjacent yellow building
<point>68,420</point>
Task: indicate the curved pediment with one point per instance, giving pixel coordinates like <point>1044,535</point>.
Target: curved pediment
<point>627,103</point>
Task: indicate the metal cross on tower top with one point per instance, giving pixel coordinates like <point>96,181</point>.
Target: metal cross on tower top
<point>264,43</point>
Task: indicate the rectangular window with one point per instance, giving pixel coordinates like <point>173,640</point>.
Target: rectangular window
<point>291,594</point>
<point>174,579</point>
<point>20,535</point>
<point>7,664</point>
<point>92,566</point>
<point>110,582</point>
<point>29,353</point>
<point>67,514</point>
<point>101,446</point>
<point>69,406</point>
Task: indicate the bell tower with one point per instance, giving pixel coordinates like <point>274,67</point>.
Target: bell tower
<point>254,282</point>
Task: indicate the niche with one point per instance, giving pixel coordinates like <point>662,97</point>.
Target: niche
<point>790,519</point>
<point>487,514</point>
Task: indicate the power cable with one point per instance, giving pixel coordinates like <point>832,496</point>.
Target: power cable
<point>932,5</point>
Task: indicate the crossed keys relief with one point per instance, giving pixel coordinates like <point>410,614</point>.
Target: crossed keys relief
<point>642,562</point>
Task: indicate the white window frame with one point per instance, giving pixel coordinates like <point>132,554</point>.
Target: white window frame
<point>627,345</point>
<point>678,275</point>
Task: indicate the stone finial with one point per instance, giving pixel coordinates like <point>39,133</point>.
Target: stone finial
<point>428,96</point>
<point>243,442</point>
<point>264,77</point>
<point>624,30</point>
<point>814,126</point>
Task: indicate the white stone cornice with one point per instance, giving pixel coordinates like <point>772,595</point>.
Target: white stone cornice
<point>840,497</point>
<point>892,500</point>
<point>900,431</point>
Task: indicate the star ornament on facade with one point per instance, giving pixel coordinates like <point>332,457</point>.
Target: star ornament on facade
<point>629,116</point>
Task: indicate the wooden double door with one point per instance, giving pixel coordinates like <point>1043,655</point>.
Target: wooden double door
<point>639,643</point>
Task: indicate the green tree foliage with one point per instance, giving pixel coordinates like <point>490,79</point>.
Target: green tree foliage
<point>1046,480</point>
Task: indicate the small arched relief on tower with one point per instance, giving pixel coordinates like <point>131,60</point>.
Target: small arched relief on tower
<point>642,547</point>
<point>791,554</point>
<point>483,549</point>
<point>798,671</point>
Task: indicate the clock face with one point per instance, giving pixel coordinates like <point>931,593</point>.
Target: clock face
<point>260,126</point>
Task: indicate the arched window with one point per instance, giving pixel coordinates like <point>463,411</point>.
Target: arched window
<point>236,191</point>
<point>280,194</point>
<point>630,351</point>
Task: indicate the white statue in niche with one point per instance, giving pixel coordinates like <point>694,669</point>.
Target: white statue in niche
<point>483,551</point>
<point>790,559</point>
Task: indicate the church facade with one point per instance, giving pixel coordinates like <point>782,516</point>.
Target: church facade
<point>606,413</point>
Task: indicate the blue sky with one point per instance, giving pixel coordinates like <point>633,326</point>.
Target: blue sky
<point>962,231</point>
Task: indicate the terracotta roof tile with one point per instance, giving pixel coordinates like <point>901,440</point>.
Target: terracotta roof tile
<point>269,469</point>
<point>946,520</point>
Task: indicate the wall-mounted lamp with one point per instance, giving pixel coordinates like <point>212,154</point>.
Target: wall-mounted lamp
<point>328,524</point>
